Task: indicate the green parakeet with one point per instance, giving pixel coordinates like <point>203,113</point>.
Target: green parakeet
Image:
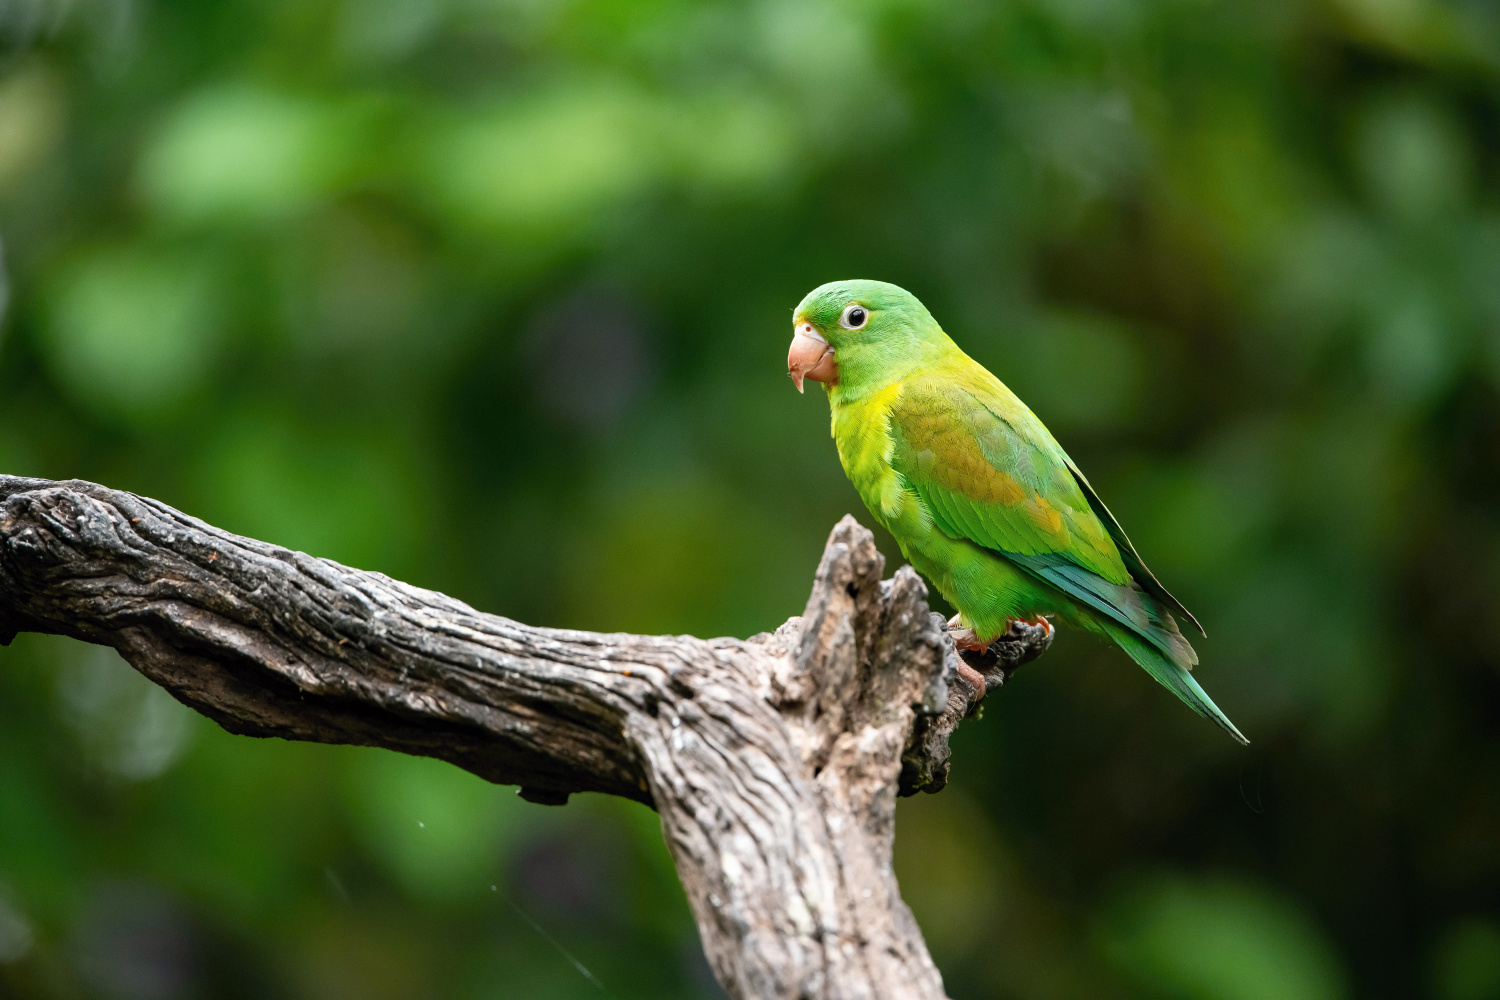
<point>980,497</point>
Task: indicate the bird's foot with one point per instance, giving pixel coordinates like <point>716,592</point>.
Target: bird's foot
<point>998,658</point>
<point>965,637</point>
<point>1040,622</point>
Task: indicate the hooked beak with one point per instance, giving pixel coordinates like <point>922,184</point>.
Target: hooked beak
<point>810,356</point>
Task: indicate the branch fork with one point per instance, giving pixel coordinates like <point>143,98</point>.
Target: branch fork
<point>774,762</point>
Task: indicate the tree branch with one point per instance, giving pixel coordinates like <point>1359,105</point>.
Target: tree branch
<point>773,761</point>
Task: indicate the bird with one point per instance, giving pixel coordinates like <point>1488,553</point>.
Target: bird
<point>977,492</point>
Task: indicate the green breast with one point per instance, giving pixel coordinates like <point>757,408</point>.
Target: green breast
<point>862,432</point>
<point>986,588</point>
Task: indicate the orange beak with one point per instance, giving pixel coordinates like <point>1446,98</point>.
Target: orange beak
<point>810,356</point>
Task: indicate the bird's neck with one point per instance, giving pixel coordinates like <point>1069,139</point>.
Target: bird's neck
<point>868,369</point>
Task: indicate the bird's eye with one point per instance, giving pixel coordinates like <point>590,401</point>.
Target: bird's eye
<point>854,317</point>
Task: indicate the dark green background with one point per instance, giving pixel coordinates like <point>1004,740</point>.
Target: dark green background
<point>494,295</point>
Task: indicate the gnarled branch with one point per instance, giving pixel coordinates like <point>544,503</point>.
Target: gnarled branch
<point>773,761</point>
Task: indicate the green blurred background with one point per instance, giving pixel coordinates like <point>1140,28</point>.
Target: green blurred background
<point>494,295</point>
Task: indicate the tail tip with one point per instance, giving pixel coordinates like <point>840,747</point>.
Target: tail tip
<point>1231,729</point>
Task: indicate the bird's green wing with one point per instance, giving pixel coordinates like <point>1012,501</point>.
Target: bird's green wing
<point>987,470</point>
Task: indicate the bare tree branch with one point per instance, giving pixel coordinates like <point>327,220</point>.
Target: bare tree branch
<point>773,761</point>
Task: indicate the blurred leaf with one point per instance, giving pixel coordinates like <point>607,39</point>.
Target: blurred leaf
<point>383,30</point>
<point>345,494</point>
<point>13,458</point>
<point>356,285</point>
<point>16,935</point>
<point>242,152</point>
<point>1467,961</point>
<point>956,873</point>
<point>129,727</point>
<point>31,120</point>
<point>1077,371</point>
<point>1218,939</point>
<point>675,556</point>
<point>549,160</point>
<point>1186,522</point>
<point>1412,156</point>
<point>440,830</point>
<point>732,140</point>
<point>1412,349</point>
<point>40,847</point>
<point>134,331</point>
<point>1089,138</point>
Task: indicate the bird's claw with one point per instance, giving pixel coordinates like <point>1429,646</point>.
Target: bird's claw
<point>989,654</point>
<point>964,638</point>
<point>1040,622</point>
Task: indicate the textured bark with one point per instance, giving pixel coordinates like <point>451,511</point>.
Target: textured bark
<point>774,762</point>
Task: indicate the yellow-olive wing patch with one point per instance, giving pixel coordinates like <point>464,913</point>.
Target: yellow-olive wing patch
<point>987,471</point>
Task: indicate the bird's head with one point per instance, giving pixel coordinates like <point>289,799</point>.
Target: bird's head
<point>861,334</point>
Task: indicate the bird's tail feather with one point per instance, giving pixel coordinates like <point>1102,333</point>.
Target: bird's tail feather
<point>1173,677</point>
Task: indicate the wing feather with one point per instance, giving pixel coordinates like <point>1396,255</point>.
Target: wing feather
<point>987,470</point>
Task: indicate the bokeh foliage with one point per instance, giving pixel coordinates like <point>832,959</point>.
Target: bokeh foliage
<point>492,295</point>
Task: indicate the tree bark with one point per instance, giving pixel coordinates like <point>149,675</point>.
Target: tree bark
<point>774,761</point>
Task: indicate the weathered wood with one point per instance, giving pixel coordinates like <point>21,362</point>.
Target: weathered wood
<point>774,762</point>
